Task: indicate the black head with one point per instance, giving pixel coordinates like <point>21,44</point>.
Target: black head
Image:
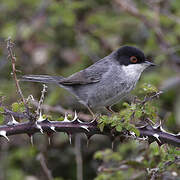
<point>127,55</point>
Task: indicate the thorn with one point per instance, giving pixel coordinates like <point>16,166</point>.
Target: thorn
<point>3,133</point>
<point>157,137</point>
<point>49,140</point>
<point>65,118</point>
<point>53,128</point>
<point>13,122</point>
<point>133,134</point>
<point>85,127</point>
<point>49,135</point>
<point>40,119</point>
<point>39,127</point>
<point>31,140</point>
<point>70,138</point>
<point>79,121</point>
<point>112,145</point>
<point>75,116</point>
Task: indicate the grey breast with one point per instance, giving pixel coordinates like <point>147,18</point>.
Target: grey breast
<point>108,90</point>
<point>111,89</point>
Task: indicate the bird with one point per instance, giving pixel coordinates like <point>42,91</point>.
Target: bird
<point>105,82</point>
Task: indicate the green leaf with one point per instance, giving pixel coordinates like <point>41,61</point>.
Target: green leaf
<point>101,127</point>
<point>60,118</point>
<point>15,107</point>
<point>136,131</point>
<point>125,104</point>
<point>1,109</point>
<point>119,128</point>
<point>98,155</point>
<point>18,107</point>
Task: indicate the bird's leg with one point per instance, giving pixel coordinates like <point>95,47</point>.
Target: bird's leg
<point>91,111</point>
<point>109,109</point>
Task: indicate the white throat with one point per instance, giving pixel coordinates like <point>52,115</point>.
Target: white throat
<point>134,71</point>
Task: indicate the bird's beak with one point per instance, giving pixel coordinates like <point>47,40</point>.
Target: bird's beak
<point>150,63</point>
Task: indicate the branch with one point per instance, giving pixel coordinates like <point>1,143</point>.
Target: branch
<point>45,169</point>
<point>12,57</point>
<point>61,110</point>
<point>147,132</point>
<point>79,161</point>
<point>38,112</point>
<point>154,172</point>
<point>150,98</point>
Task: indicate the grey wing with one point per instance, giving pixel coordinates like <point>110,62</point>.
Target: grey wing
<point>92,74</point>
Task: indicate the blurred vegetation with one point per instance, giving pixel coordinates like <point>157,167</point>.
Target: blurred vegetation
<point>61,37</point>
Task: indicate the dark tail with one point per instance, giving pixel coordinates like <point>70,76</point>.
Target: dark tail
<point>41,78</point>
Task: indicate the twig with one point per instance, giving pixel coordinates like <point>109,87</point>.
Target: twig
<point>146,99</point>
<point>61,110</point>
<point>169,163</point>
<point>41,99</point>
<point>79,163</point>
<point>130,8</point>
<point>155,171</point>
<point>45,169</point>
<point>12,57</point>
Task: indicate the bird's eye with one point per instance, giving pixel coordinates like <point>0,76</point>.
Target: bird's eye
<point>133,59</point>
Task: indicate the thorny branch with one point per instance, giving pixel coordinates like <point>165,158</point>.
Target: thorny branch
<point>147,132</point>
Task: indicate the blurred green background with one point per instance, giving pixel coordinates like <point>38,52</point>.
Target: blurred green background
<point>60,37</point>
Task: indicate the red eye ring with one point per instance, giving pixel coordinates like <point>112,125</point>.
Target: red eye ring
<point>133,59</point>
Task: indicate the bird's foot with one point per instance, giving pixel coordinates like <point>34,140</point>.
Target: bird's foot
<point>109,109</point>
<point>91,112</point>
